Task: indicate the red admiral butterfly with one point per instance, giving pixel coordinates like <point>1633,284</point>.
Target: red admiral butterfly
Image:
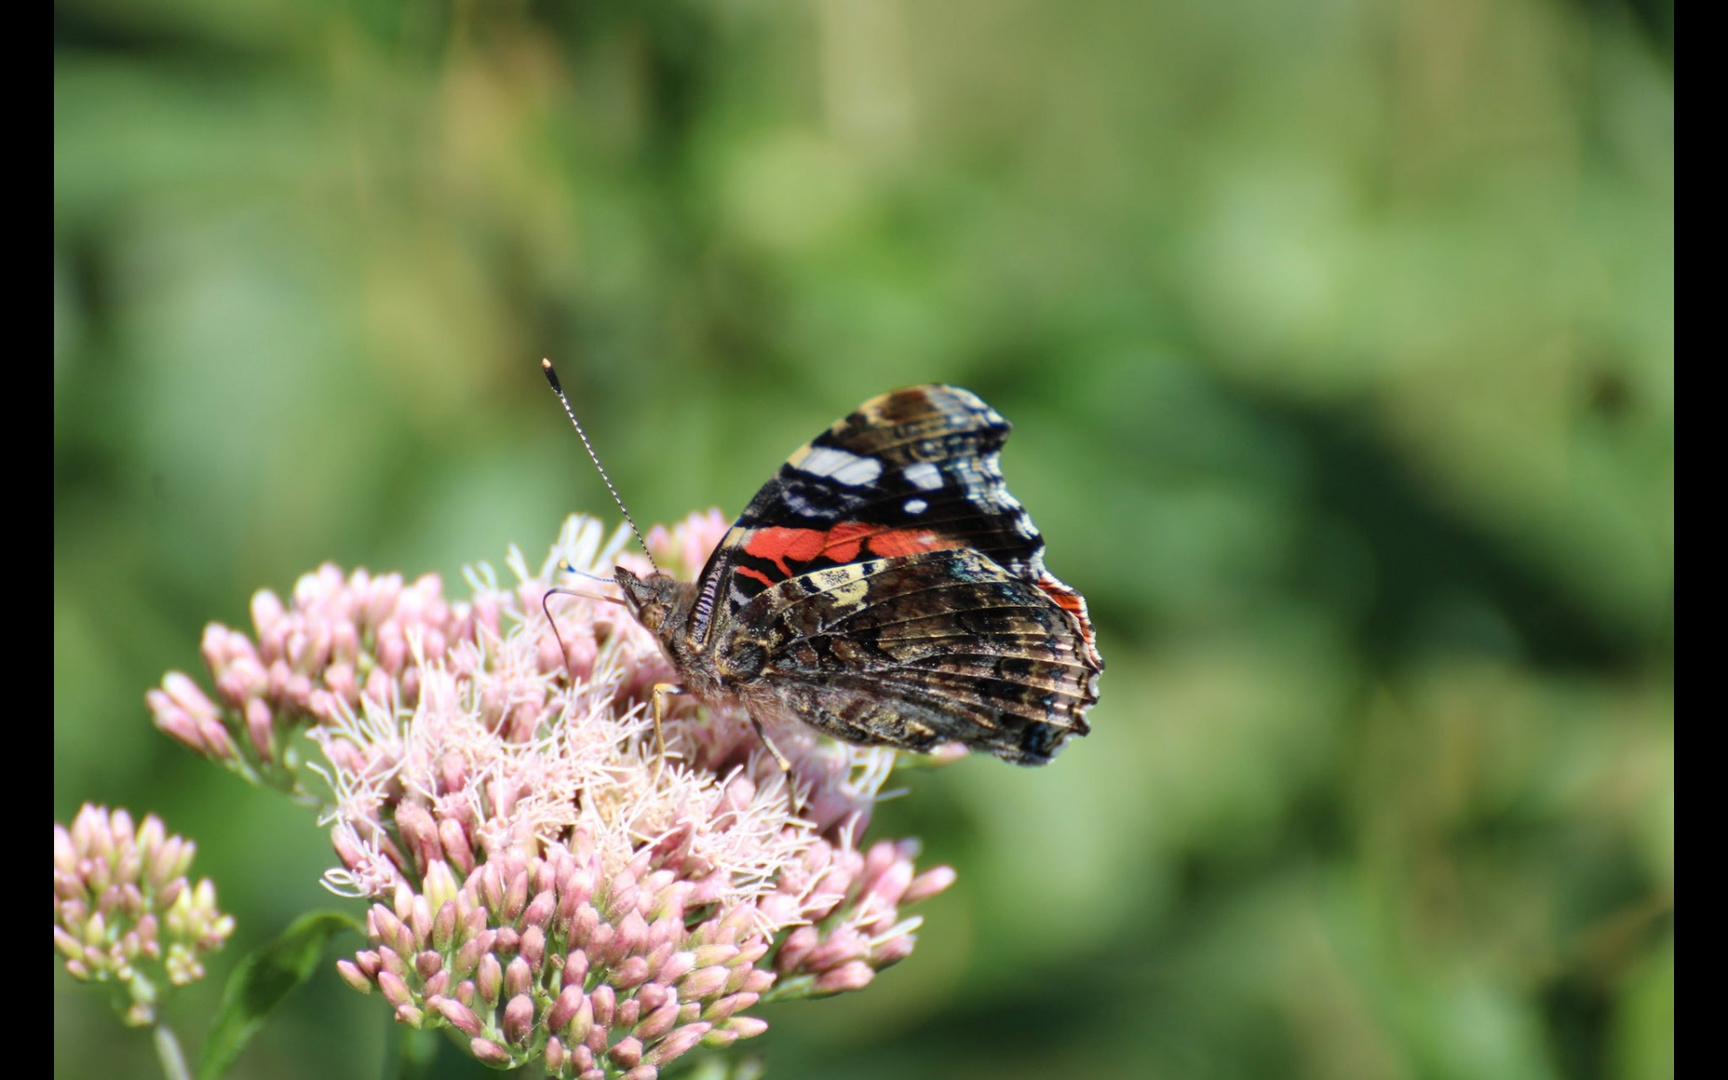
<point>886,589</point>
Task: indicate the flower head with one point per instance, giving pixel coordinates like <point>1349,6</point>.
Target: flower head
<point>543,882</point>
<point>124,912</point>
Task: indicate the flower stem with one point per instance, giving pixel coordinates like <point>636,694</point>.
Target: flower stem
<point>168,1052</point>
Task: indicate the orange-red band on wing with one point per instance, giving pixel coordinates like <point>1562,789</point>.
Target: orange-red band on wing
<point>843,543</point>
<point>1071,602</point>
<point>777,544</point>
<point>907,542</point>
<point>755,574</point>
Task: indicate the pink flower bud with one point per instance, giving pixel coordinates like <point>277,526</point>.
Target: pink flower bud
<point>173,721</point>
<point>378,686</point>
<point>539,913</point>
<point>755,981</point>
<point>455,842</point>
<point>779,907</point>
<point>928,884</point>
<point>855,975</point>
<point>468,958</point>
<point>746,1027</point>
<point>420,920</point>
<point>428,964</point>
<point>575,968</point>
<point>658,954</point>
<point>341,680</point>
<point>892,883</point>
<point>419,834</point>
<point>518,976</point>
<point>460,1016</point>
<point>632,933</point>
<point>189,696</point>
<point>351,974</point>
<point>842,946</point>
<point>658,1022</point>
<point>586,925</point>
<point>216,741</point>
<point>490,980</point>
<point>892,951</point>
<point>564,1008</point>
<point>533,947</point>
<point>392,961</point>
<point>678,1043</point>
<point>705,982</point>
<point>266,612</point>
<point>603,999</point>
<point>519,1019</point>
<point>381,924</point>
<point>369,963</point>
<point>796,947</point>
<point>726,1006</point>
<point>627,1053</point>
<point>713,954</point>
<point>632,972</point>
<point>444,926</point>
<point>677,965</point>
<point>474,927</point>
<point>395,990</point>
<point>603,944</point>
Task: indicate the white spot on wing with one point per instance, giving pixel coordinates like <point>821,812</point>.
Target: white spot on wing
<point>844,586</point>
<point>915,506</point>
<point>923,475</point>
<point>840,466</point>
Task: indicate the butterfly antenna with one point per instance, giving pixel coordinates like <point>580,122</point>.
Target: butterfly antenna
<point>552,377</point>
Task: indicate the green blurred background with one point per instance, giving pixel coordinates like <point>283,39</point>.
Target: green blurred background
<point>1339,341</point>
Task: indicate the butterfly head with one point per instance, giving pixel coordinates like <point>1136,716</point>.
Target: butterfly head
<point>656,600</point>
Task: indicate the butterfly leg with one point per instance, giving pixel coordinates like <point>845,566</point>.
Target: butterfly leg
<point>662,691</point>
<point>785,766</point>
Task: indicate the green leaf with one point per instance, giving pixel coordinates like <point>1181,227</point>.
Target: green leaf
<point>260,983</point>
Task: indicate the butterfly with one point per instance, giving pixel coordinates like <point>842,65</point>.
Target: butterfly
<point>885,588</point>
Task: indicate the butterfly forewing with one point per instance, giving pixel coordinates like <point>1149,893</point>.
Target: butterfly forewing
<point>913,470</point>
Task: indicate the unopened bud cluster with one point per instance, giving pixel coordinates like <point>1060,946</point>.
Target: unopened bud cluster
<point>124,912</point>
<point>548,883</point>
<point>339,638</point>
<point>548,957</point>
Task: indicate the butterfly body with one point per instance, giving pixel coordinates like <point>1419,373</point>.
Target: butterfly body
<point>885,588</point>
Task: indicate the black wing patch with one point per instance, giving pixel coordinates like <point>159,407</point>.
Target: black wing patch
<point>919,467</point>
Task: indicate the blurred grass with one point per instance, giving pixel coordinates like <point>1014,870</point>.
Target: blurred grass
<point>1339,341</point>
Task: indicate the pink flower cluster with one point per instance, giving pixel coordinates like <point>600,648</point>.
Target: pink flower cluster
<point>549,885</point>
<point>124,912</point>
<point>341,638</point>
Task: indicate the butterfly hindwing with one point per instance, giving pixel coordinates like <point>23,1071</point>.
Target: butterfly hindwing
<point>915,650</point>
